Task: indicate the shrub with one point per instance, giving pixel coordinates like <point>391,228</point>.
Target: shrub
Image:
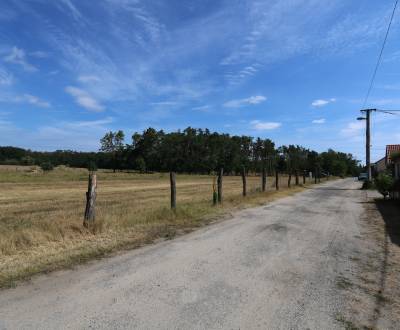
<point>384,183</point>
<point>140,164</point>
<point>47,166</point>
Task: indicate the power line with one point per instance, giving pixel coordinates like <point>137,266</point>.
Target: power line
<point>380,55</point>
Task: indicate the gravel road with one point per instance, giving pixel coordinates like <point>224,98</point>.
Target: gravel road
<point>270,267</point>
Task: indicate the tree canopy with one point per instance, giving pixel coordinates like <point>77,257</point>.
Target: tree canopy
<point>192,151</point>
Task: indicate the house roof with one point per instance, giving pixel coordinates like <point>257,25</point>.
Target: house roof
<point>390,149</point>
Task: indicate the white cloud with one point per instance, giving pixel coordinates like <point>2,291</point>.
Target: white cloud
<point>18,56</point>
<point>203,108</point>
<point>319,121</point>
<point>165,103</point>
<point>6,78</point>
<point>88,124</point>
<point>34,100</point>
<point>88,78</point>
<point>321,102</point>
<point>39,54</point>
<point>383,102</point>
<point>264,125</point>
<point>25,98</point>
<point>353,129</point>
<point>252,100</point>
<point>84,99</point>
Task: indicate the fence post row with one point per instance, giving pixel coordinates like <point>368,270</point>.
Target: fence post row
<point>264,179</point>
<point>220,174</point>
<point>90,213</point>
<point>172,180</point>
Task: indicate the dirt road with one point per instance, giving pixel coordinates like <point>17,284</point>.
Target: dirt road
<point>273,267</point>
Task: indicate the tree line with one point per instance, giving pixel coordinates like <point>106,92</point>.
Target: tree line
<point>194,151</point>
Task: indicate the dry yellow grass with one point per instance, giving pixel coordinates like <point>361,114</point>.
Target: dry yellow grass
<point>41,214</point>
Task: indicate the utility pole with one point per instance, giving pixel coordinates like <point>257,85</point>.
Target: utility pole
<point>367,119</point>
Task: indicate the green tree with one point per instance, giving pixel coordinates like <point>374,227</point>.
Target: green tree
<point>140,164</point>
<point>113,143</point>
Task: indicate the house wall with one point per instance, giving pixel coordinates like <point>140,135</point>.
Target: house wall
<point>380,165</point>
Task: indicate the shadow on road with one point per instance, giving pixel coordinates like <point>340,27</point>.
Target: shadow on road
<point>390,211</point>
<point>330,188</point>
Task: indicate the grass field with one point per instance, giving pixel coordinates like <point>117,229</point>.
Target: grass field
<point>41,214</point>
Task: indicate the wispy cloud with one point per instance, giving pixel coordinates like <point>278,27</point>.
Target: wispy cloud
<point>18,56</point>
<point>34,100</point>
<point>39,54</point>
<point>203,108</point>
<point>84,99</point>
<point>264,125</point>
<point>252,100</point>
<point>353,129</point>
<point>319,121</point>
<point>165,103</point>
<point>25,98</point>
<point>88,79</point>
<point>384,101</point>
<point>6,78</point>
<point>322,102</point>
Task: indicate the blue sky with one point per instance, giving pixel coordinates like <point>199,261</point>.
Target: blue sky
<point>295,71</point>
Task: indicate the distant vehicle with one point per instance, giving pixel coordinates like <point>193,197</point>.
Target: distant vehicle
<point>363,177</point>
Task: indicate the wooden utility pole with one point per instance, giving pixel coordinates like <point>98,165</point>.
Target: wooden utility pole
<point>264,179</point>
<point>172,180</point>
<point>90,213</point>
<point>220,174</point>
<point>244,181</point>
<point>277,180</point>
<point>367,119</point>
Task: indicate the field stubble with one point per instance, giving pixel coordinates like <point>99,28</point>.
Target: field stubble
<point>41,214</point>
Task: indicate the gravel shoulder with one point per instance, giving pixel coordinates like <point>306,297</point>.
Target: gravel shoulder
<point>291,264</point>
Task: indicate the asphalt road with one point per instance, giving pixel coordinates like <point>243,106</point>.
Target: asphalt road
<point>271,267</point>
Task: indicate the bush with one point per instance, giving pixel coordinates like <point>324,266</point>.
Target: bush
<point>384,183</point>
<point>47,166</point>
<point>140,164</point>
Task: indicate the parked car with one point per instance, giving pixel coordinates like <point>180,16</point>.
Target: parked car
<point>363,177</point>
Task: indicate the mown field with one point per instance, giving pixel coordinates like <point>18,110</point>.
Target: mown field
<point>41,214</point>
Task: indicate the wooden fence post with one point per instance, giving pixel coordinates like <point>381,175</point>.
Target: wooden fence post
<point>264,179</point>
<point>315,176</point>
<point>244,181</point>
<point>289,179</point>
<point>304,177</point>
<point>297,177</point>
<point>220,174</point>
<point>215,194</point>
<point>277,180</point>
<point>173,189</point>
<point>90,212</point>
